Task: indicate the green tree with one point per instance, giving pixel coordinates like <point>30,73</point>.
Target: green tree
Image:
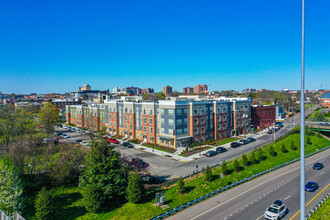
<point>253,158</point>
<point>272,151</point>
<point>208,174</point>
<point>319,134</point>
<point>245,160</point>
<point>293,147</point>
<point>133,190</point>
<point>260,155</point>
<point>91,198</point>
<point>44,205</point>
<point>48,117</point>
<point>105,172</point>
<point>309,141</point>
<point>224,168</point>
<point>236,166</point>
<point>159,96</point>
<point>11,189</point>
<point>180,185</point>
<point>283,148</point>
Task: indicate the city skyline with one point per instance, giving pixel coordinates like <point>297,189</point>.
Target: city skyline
<point>57,47</point>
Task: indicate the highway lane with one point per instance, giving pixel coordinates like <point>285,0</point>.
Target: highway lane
<point>251,199</point>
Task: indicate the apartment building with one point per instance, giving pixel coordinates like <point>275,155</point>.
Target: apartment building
<point>198,89</point>
<point>188,90</point>
<point>167,90</point>
<point>263,116</point>
<point>178,122</point>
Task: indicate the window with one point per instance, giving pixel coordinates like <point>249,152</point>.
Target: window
<point>125,126</point>
<point>185,130</point>
<point>125,117</point>
<point>130,118</point>
<point>196,121</point>
<point>150,121</point>
<point>114,117</point>
<point>144,111</point>
<point>179,111</point>
<point>150,130</point>
<point>202,111</point>
<point>162,111</point>
<point>219,118</point>
<point>178,122</point>
<point>162,120</point>
<point>150,112</point>
<point>203,120</point>
<point>185,111</point>
<point>179,131</point>
<point>125,110</point>
<point>196,131</point>
<point>185,121</point>
<point>170,122</point>
<point>170,131</point>
<point>130,111</point>
<point>145,129</point>
<point>162,130</point>
<point>145,120</point>
<point>170,111</point>
<point>196,140</point>
<point>130,127</point>
<point>203,130</point>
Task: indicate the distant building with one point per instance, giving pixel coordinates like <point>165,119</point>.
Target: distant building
<point>62,103</point>
<point>198,89</point>
<point>133,90</point>
<point>147,91</point>
<point>280,115</point>
<point>325,99</point>
<point>116,90</point>
<point>85,87</point>
<point>262,116</point>
<point>188,90</point>
<point>167,90</point>
<point>250,90</point>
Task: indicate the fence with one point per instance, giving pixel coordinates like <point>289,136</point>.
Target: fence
<point>4,216</point>
<point>230,186</point>
<point>313,210</point>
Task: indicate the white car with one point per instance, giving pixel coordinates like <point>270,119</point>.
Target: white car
<point>65,136</point>
<point>276,211</point>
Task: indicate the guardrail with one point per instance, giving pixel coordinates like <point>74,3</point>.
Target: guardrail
<point>313,210</point>
<point>230,186</point>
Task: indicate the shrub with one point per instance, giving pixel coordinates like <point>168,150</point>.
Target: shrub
<point>245,160</point>
<point>319,134</point>
<point>253,158</point>
<point>224,168</point>
<point>180,185</point>
<point>293,147</point>
<point>208,174</point>
<point>283,149</point>
<point>272,151</point>
<point>44,205</point>
<point>91,198</point>
<point>236,166</point>
<point>133,190</point>
<point>308,141</point>
<point>260,155</point>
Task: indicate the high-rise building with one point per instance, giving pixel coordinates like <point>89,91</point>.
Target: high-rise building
<point>167,90</point>
<point>188,90</point>
<point>198,89</point>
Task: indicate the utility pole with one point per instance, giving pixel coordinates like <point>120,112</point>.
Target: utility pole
<point>302,116</point>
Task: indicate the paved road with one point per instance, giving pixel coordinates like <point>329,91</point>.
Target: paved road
<point>251,199</point>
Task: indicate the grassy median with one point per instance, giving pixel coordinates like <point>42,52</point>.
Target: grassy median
<point>68,200</point>
<point>323,212</point>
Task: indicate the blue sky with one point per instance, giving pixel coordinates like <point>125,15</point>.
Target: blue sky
<point>56,46</point>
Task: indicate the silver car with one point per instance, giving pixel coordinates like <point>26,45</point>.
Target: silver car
<point>276,211</point>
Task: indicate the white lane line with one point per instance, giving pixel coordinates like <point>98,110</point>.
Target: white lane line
<point>321,173</point>
<point>260,217</point>
<point>203,213</point>
<point>287,197</point>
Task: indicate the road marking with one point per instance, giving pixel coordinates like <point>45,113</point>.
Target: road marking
<point>321,173</point>
<point>287,197</point>
<point>256,187</point>
<point>259,217</point>
<point>310,201</point>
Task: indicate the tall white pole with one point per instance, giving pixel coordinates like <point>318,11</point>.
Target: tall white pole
<point>302,115</point>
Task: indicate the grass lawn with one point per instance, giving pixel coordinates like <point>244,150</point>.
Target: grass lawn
<point>160,148</point>
<point>225,141</point>
<point>323,212</point>
<point>69,199</point>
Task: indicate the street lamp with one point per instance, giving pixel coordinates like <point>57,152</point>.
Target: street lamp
<point>302,116</point>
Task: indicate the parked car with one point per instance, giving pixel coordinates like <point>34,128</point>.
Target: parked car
<point>50,139</point>
<point>250,139</point>
<point>242,142</point>
<point>139,162</point>
<point>234,144</point>
<point>276,211</point>
<point>270,131</point>
<point>65,136</point>
<point>220,150</point>
<point>280,125</point>
<point>311,186</point>
<point>210,153</point>
<point>127,144</point>
<point>318,166</point>
<point>112,140</point>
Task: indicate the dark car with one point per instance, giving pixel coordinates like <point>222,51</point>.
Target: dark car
<point>112,140</point>
<point>127,144</point>
<point>234,144</point>
<point>270,131</point>
<point>251,139</point>
<point>311,186</point>
<point>139,162</point>
<point>210,153</point>
<point>220,150</point>
<point>243,142</point>
<point>280,125</point>
<point>318,166</point>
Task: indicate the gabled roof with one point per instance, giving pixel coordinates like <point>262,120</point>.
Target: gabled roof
<point>326,95</point>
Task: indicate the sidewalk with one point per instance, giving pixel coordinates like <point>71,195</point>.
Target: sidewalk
<point>176,156</point>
